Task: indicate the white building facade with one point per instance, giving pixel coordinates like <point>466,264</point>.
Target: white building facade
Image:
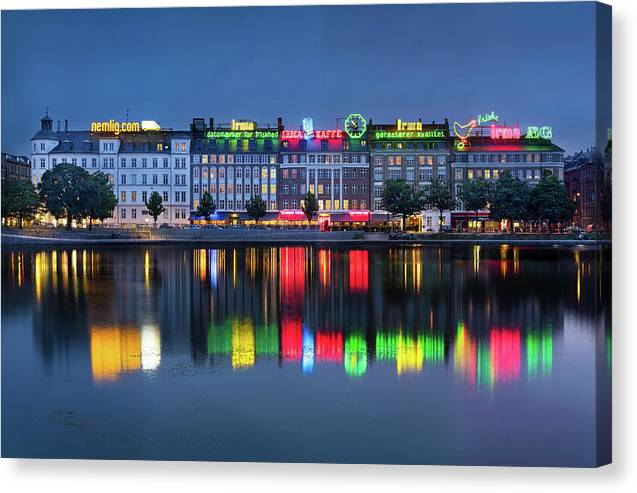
<point>137,163</point>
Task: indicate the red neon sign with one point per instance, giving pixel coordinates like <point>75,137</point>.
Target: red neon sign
<point>505,132</point>
<point>328,134</point>
<point>292,134</point>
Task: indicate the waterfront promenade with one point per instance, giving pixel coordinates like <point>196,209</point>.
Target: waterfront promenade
<point>111,236</point>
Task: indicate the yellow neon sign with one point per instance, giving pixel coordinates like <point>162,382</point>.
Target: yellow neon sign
<point>410,126</point>
<point>243,126</point>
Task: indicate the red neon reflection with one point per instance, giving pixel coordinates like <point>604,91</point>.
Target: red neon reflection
<point>329,347</point>
<point>292,265</point>
<point>291,337</point>
<point>505,132</point>
<point>505,354</point>
<point>358,271</point>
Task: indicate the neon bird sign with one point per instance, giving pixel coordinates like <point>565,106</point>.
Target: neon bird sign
<point>463,132</point>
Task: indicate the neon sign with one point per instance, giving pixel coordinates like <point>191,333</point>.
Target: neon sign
<point>424,134</point>
<point>150,125</point>
<point>257,134</point>
<point>308,127</point>
<point>463,132</point>
<point>292,134</point>
<point>401,125</point>
<point>355,125</point>
<point>244,126</point>
<point>545,132</point>
<point>114,127</point>
<point>504,132</point>
<point>318,134</point>
<point>487,117</point>
<point>328,134</point>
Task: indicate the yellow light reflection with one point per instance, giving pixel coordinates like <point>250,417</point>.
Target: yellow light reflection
<point>114,350</point>
<point>243,349</point>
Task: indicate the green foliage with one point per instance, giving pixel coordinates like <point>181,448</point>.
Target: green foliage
<point>155,206</point>
<point>510,199</point>
<point>439,197</point>
<point>206,206</point>
<point>476,194</point>
<point>256,207</point>
<point>310,206</point>
<point>99,200</point>
<point>549,201</point>
<point>401,198</point>
<point>62,192</point>
<point>20,200</point>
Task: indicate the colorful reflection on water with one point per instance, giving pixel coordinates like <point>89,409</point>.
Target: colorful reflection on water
<point>485,321</point>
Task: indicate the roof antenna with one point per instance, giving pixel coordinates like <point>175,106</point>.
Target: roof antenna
<point>127,110</point>
<point>47,111</point>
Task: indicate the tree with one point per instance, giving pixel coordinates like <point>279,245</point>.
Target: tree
<point>62,192</point>
<point>439,197</point>
<point>549,201</point>
<point>475,195</point>
<point>256,207</point>
<point>206,206</point>
<point>155,206</point>
<point>20,200</point>
<point>510,199</point>
<point>401,198</point>
<point>310,206</point>
<point>607,203</point>
<point>100,198</point>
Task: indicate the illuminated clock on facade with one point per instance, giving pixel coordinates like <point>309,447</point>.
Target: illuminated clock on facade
<point>355,125</point>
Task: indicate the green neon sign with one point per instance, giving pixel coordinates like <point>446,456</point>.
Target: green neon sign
<point>229,134</point>
<point>413,134</point>
<point>545,133</point>
<point>355,125</point>
<point>487,117</point>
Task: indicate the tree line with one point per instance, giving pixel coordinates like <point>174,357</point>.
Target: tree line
<point>66,192</point>
<point>507,198</point>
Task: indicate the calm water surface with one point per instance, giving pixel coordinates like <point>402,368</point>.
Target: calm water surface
<point>439,355</point>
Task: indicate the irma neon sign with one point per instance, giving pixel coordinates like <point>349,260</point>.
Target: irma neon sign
<point>114,127</point>
<point>256,134</point>
<point>504,132</point>
<point>243,126</point>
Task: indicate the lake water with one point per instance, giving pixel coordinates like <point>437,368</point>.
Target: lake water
<point>424,354</point>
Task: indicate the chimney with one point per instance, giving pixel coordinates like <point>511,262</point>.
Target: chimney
<point>58,125</point>
<point>419,120</point>
<point>66,125</point>
<point>211,123</point>
<point>279,122</point>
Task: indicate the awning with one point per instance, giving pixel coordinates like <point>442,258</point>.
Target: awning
<point>292,215</point>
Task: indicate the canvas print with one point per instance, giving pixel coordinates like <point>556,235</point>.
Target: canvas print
<point>346,234</point>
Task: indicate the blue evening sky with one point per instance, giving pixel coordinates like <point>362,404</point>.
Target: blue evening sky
<point>530,63</point>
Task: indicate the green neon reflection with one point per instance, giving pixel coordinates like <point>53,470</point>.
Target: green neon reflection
<point>355,361</point>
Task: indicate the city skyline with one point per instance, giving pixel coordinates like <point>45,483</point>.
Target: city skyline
<point>545,54</point>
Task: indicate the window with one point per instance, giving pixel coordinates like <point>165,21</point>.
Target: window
<point>144,162</point>
<point>144,196</point>
<point>122,213</point>
<point>144,180</point>
<point>155,179</point>
<point>165,197</point>
<point>133,196</point>
<point>458,175</point>
<point>83,163</point>
<point>123,196</point>
<point>133,162</point>
<point>123,179</point>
